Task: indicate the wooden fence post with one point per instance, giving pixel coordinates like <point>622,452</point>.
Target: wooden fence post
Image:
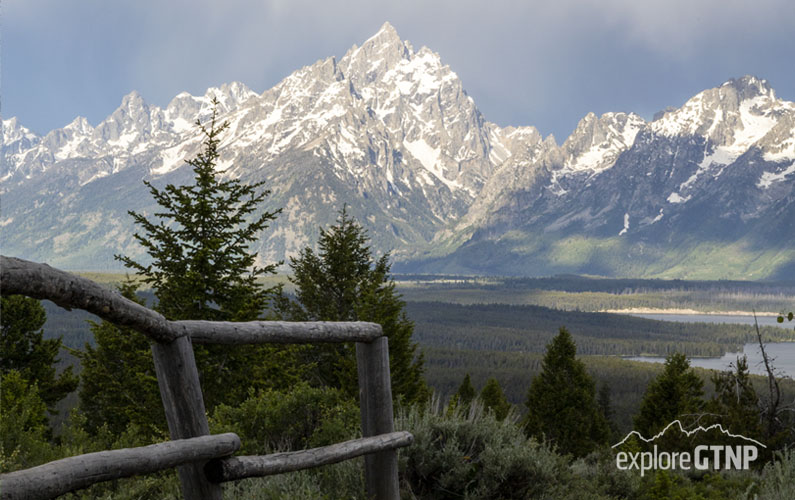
<point>375,400</point>
<point>180,390</point>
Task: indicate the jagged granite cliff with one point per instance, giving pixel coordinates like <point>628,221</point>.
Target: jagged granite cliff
<point>703,190</point>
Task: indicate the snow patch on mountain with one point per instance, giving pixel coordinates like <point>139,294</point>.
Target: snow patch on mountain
<point>170,159</point>
<point>753,125</point>
<point>769,178</point>
<point>430,158</point>
<point>626,225</point>
<point>677,198</point>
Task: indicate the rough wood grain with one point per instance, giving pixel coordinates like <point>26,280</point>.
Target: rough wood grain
<point>234,468</point>
<point>181,393</point>
<point>70,474</point>
<point>41,281</point>
<point>280,332</point>
<point>375,400</point>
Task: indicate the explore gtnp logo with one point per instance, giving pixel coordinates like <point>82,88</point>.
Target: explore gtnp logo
<point>703,457</point>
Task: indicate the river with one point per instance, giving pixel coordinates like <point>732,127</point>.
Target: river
<point>783,353</point>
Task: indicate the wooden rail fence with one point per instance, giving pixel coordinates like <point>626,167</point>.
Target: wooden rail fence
<point>204,461</point>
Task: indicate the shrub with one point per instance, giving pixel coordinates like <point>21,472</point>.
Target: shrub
<point>472,454</point>
<point>332,482</point>
<point>23,424</point>
<point>303,417</point>
<point>777,481</point>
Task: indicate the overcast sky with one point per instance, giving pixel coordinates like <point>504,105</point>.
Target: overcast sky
<point>525,62</point>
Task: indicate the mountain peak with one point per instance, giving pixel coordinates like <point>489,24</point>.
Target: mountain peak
<point>597,141</point>
<point>387,34</point>
<point>750,86</point>
<point>133,98</point>
<point>229,95</point>
<point>80,126</point>
<point>377,55</point>
<point>714,113</point>
<point>14,131</point>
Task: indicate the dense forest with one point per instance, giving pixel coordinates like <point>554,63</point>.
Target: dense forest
<point>578,283</point>
<point>500,327</point>
<point>575,293</point>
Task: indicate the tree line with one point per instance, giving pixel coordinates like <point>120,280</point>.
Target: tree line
<point>563,406</point>
<point>700,300</point>
<point>501,327</point>
<point>578,284</point>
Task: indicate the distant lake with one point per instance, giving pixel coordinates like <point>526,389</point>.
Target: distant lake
<point>782,352</point>
<point>716,318</point>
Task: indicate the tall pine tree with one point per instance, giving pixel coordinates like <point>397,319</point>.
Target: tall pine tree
<point>675,394</point>
<point>561,401</point>
<point>494,399</point>
<point>462,399</point>
<point>202,268</point>
<point>342,282</point>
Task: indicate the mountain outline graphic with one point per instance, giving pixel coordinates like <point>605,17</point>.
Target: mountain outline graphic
<point>686,432</point>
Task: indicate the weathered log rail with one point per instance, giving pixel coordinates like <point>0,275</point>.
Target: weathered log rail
<point>69,291</point>
<point>180,391</point>
<point>70,474</point>
<point>241,467</point>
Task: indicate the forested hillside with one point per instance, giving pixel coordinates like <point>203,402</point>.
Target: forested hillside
<point>500,327</point>
<point>580,293</point>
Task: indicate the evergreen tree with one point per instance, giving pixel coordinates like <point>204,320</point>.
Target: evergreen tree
<point>342,282</point>
<point>464,395</point>
<point>494,399</point>
<point>735,401</point>
<point>201,267</point>
<point>24,433</point>
<point>561,401</point>
<point>604,401</point>
<point>25,350</point>
<point>674,394</point>
<point>119,384</point>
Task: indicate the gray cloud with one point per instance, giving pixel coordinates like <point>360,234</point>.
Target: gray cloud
<point>543,63</point>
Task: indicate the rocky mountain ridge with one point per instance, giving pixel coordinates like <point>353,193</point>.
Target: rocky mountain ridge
<point>392,132</point>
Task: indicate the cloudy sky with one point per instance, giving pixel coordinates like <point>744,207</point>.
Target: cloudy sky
<point>532,62</point>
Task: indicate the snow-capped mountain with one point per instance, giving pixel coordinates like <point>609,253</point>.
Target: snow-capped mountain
<point>390,131</point>
<point>386,129</point>
<point>705,190</point>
